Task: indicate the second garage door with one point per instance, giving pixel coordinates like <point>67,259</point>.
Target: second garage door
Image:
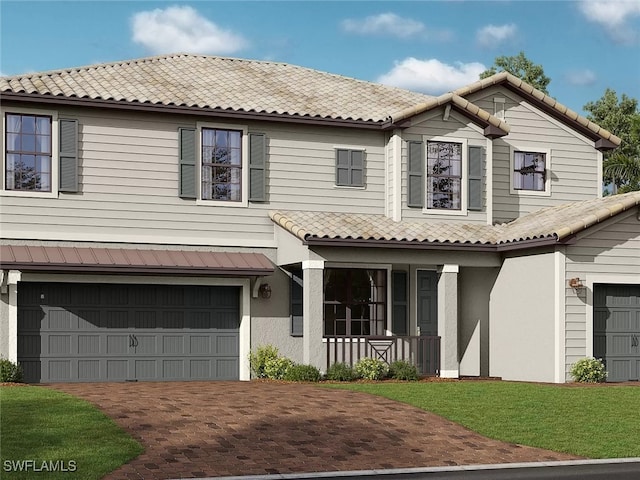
<point>102,332</point>
<point>616,330</point>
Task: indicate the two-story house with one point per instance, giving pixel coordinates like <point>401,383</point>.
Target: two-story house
<point>162,217</point>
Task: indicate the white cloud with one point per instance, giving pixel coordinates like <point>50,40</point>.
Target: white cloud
<point>491,35</point>
<point>431,76</point>
<point>182,29</point>
<point>613,16</point>
<point>581,78</point>
<point>393,25</point>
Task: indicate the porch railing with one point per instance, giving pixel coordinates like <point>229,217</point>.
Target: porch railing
<point>421,351</point>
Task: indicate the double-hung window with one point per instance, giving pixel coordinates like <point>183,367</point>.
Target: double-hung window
<point>529,171</point>
<point>444,175</point>
<point>28,154</point>
<point>221,165</point>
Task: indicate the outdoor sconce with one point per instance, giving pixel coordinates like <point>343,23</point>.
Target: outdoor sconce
<point>576,283</point>
<point>265,290</point>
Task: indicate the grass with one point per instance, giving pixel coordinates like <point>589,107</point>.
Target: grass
<point>45,425</point>
<point>594,422</point>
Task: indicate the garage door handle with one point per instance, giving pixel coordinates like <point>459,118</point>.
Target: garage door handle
<point>133,341</point>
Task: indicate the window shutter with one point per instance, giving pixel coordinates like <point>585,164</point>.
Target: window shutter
<point>415,170</point>
<point>342,167</point>
<point>68,157</point>
<point>257,167</point>
<point>296,312</point>
<point>187,163</point>
<point>399,299</point>
<point>475,178</point>
<point>357,168</point>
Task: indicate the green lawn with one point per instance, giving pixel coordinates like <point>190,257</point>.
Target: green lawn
<point>590,421</point>
<point>45,425</point>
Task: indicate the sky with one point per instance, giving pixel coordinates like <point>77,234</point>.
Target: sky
<point>584,46</point>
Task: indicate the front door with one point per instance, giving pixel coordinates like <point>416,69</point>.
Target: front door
<point>427,297</point>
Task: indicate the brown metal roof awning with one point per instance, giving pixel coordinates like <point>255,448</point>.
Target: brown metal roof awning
<point>132,261</point>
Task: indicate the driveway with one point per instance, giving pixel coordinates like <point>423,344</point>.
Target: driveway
<point>199,429</point>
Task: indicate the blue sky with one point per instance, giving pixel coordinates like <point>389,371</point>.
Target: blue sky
<point>585,46</point>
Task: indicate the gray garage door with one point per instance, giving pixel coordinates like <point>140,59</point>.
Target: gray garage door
<point>616,330</point>
<point>79,332</point>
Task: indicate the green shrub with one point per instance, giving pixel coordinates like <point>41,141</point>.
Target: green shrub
<point>588,370</point>
<point>340,372</point>
<point>302,373</point>
<point>259,358</point>
<point>9,371</point>
<point>402,370</point>
<point>277,368</point>
<point>371,369</point>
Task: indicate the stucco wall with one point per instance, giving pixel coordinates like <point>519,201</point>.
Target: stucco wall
<point>522,325</point>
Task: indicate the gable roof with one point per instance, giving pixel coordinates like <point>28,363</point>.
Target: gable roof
<point>547,226</point>
<point>222,84</point>
<point>548,104</point>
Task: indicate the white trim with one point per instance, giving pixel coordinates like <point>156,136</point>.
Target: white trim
<point>488,184</point>
<point>600,162</point>
<point>396,213</point>
<point>604,278</point>
<point>244,202</point>
<point>560,316</point>
<point>55,153</point>
<point>498,107</point>
<point>519,147</point>
<point>12,331</point>
<point>464,177</point>
<point>313,264</point>
<point>350,147</point>
<point>449,268</point>
<point>447,112</point>
<point>449,373</point>
<point>245,298</point>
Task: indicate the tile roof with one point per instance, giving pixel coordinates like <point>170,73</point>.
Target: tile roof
<point>552,103</point>
<point>113,260</point>
<point>553,223</point>
<point>221,83</point>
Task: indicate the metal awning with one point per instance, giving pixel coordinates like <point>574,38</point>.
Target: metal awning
<point>132,261</point>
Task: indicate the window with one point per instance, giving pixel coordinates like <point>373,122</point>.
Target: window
<point>221,165</point>
<point>349,168</point>
<point>444,175</point>
<point>355,302</point>
<point>28,152</point>
<point>529,171</point>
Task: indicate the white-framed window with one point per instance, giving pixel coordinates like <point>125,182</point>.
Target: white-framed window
<point>446,176</point>
<point>30,153</point>
<point>530,171</point>
<point>222,164</point>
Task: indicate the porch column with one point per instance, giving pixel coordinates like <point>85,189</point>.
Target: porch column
<point>448,321</point>
<point>312,309</point>
<point>9,314</point>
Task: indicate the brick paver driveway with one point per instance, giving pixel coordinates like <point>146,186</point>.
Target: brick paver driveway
<point>199,429</point>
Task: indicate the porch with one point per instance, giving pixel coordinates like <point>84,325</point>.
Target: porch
<point>421,351</point>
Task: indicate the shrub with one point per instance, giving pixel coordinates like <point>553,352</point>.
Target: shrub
<point>277,368</point>
<point>588,370</point>
<point>340,372</point>
<point>371,369</point>
<point>302,373</point>
<point>402,370</point>
<point>9,371</point>
<point>260,357</point>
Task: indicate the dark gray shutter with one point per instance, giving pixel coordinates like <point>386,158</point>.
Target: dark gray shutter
<point>357,168</point>
<point>475,178</point>
<point>296,312</point>
<point>257,167</point>
<point>399,299</point>
<point>342,167</point>
<point>187,163</point>
<point>415,170</point>
<point>68,155</point>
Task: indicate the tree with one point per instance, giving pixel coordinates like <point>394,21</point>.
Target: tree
<point>621,166</point>
<point>521,67</point>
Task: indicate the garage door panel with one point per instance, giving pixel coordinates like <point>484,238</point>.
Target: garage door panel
<point>125,335</point>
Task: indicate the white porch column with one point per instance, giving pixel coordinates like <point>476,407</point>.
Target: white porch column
<point>312,308</point>
<point>9,314</point>
<point>448,321</point>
